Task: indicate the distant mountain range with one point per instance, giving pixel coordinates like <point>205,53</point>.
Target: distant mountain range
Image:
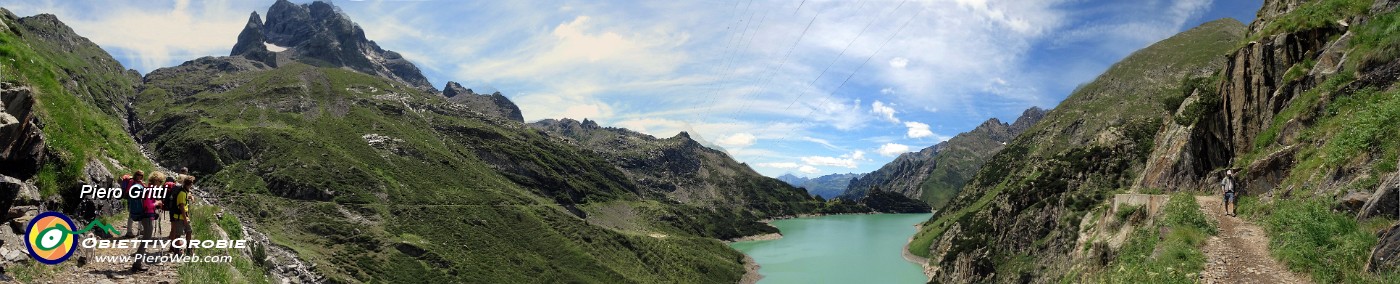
<point>827,186</point>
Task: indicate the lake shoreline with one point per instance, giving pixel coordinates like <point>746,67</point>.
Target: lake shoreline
<point>910,257</point>
<point>751,267</point>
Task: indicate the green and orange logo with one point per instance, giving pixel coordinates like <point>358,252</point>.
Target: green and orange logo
<point>49,237</point>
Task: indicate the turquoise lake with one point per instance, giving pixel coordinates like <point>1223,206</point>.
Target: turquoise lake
<point>838,249</point>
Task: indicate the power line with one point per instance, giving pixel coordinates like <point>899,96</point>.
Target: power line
<point>843,52</point>
<point>862,65</point>
<point>728,52</point>
<point>768,80</point>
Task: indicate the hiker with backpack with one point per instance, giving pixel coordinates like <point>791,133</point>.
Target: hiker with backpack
<point>178,204</point>
<point>143,210</point>
<point>127,182</point>
<point>1231,200</point>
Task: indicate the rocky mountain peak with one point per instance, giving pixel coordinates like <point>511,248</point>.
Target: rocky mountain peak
<point>319,34</point>
<point>494,104</point>
<point>1028,118</point>
<point>453,89</point>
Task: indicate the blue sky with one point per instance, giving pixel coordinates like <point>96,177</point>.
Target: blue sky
<point>804,87</point>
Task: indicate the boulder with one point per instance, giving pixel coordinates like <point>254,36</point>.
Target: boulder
<point>1353,201</point>
<point>1384,201</point>
<point>15,193</point>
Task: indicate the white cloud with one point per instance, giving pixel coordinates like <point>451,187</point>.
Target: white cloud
<point>917,130</point>
<point>779,165</point>
<point>809,170</point>
<point>829,161</point>
<point>737,140</point>
<point>850,160</point>
<point>582,44</point>
<point>892,149</point>
<point>899,62</point>
<point>884,111</point>
<point>823,142</point>
<point>152,34</point>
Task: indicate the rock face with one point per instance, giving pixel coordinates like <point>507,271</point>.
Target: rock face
<point>1385,201</point>
<point>493,104</point>
<point>319,34</point>
<point>1386,254</point>
<point>252,44</point>
<point>935,174</point>
<point>21,141</point>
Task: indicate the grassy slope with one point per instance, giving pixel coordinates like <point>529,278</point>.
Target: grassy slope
<point>1350,130</point>
<point>292,159</point>
<point>1150,257</point>
<point>1065,163</point>
<point>80,90</point>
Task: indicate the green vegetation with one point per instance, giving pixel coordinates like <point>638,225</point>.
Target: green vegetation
<point>1206,103</point>
<point>1150,256</point>
<point>81,121</point>
<point>340,166</point>
<point>1378,41</point>
<point>1128,212</point>
<point>1315,14</point>
<point>242,269</point>
<point>1299,69</point>
<point>1091,146</point>
<point>1307,236</point>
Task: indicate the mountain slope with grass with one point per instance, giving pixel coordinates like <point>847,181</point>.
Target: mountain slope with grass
<point>331,153</point>
<point>65,104</point>
<point>1302,103</point>
<point>370,179</point>
<point>1018,217</point>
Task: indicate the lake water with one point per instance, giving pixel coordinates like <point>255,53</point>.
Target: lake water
<point>838,249</point>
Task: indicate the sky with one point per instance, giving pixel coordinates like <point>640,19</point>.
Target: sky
<point>803,87</point>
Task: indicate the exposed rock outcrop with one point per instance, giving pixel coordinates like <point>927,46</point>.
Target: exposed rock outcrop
<point>21,140</point>
<point>1385,201</point>
<point>319,34</point>
<point>493,104</point>
<point>1386,254</point>
<point>252,44</point>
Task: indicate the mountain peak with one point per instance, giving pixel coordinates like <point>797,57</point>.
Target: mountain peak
<point>453,89</point>
<point>494,104</point>
<point>320,34</point>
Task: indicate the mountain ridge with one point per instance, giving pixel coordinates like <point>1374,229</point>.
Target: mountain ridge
<point>934,174</point>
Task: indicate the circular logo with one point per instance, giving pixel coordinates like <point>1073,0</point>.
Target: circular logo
<point>48,237</point>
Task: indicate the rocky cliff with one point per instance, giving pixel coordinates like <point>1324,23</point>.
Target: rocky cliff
<point>319,34</point>
<point>936,174</point>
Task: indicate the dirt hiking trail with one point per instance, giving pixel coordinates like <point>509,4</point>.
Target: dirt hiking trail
<point>1240,252</point>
